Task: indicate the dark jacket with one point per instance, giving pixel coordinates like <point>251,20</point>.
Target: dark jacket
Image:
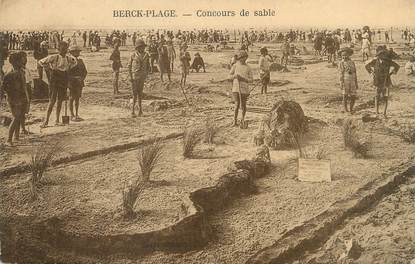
<point>116,60</point>
<point>381,71</point>
<point>40,53</point>
<point>78,74</point>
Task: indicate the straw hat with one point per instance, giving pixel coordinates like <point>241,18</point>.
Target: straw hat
<point>14,58</point>
<point>74,48</point>
<point>63,44</point>
<point>140,43</point>
<point>348,51</point>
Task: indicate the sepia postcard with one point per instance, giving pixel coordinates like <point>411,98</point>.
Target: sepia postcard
<point>207,132</point>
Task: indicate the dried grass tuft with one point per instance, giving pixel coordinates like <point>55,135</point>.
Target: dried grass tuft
<point>191,138</point>
<point>211,129</point>
<point>130,195</point>
<point>321,153</point>
<point>352,141</point>
<point>317,152</point>
<point>41,160</point>
<point>296,141</point>
<point>148,158</point>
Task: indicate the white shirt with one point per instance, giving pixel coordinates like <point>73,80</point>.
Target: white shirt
<point>242,70</point>
<point>365,43</point>
<point>57,62</point>
<point>264,63</point>
<point>28,76</point>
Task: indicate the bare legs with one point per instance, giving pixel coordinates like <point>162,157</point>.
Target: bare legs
<point>116,76</point>
<point>349,100</point>
<point>240,102</point>
<point>264,88</point>
<point>377,102</point>
<point>183,79</point>
<point>71,104</point>
<point>172,65</point>
<point>14,128</point>
<point>138,86</point>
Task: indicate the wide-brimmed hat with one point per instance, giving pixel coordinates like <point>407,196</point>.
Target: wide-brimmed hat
<point>43,43</point>
<point>14,58</point>
<point>63,43</point>
<point>242,54</point>
<point>75,48</point>
<point>348,51</point>
<point>380,48</point>
<point>383,54</point>
<point>116,41</point>
<point>140,43</point>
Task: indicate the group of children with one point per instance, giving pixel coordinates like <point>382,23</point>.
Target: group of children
<point>381,67</point>
<point>143,59</point>
<point>63,71</point>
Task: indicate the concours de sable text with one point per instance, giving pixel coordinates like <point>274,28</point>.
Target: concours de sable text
<point>199,13</point>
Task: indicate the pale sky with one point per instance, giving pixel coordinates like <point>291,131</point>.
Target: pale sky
<point>38,14</point>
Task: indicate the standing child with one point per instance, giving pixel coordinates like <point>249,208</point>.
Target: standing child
<point>184,63</point>
<point>330,47</point>
<point>29,83</point>
<point>380,67</point>
<point>116,64</point>
<point>285,47</point>
<point>264,69</point>
<point>241,75</point>
<point>172,54</point>
<point>138,68</point>
<point>164,63</point>
<point>348,78</point>
<point>58,65</point>
<point>153,50</point>
<point>77,76</point>
<point>14,85</point>
<point>365,46</point>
